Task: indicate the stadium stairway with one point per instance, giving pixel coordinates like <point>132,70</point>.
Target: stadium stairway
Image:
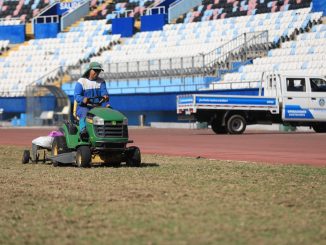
<point>29,31</point>
<point>13,48</point>
<point>91,13</point>
<point>74,25</point>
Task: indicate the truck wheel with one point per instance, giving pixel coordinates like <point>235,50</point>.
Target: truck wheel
<point>217,127</point>
<point>83,157</point>
<point>236,124</point>
<point>133,157</point>
<point>26,156</point>
<point>320,128</point>
<point>59,146</point>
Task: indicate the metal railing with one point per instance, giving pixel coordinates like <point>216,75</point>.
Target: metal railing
<point>125,14</point>
<point>11,21</point>
<point>244,47</point>
<point>154,89</point>
<point>46,19</point>
<point>236,85</point>
<point>42,12</point>
<point>155,10</point>
<point>247,45</point>
<point>184,86</point>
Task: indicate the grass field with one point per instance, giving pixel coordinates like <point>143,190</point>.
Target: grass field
<point>170,200</point>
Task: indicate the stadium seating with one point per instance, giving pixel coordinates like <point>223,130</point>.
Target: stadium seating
<point>39,60</point>
<point>25,10</point>
<point>130,8</point>
<point>220,9</point>
<point>44,60</point>
<point>307,54</point>
<point>196,39</point>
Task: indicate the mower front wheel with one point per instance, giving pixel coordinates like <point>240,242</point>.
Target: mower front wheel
<point>83,157</point>
<point>133,157</point>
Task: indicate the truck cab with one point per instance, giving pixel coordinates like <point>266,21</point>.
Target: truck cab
<point>301,97</point>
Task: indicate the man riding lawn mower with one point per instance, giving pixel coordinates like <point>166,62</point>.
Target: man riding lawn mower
<point>102,133</point>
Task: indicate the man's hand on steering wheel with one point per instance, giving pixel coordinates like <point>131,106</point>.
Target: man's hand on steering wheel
<point>85,100</point>
<point>106,98</point>
<point>91,101</point>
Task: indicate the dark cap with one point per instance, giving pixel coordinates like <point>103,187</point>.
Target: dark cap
<point>93,66</point>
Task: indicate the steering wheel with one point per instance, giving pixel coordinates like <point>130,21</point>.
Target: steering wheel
<point>92,101</point>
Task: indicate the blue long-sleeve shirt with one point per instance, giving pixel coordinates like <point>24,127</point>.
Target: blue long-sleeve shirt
<point>88,88</point>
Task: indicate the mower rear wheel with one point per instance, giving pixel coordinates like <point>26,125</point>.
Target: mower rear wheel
<point>133,157</point>
<point>26,156</point>
<point>83,157</point>
<point>59,146</point>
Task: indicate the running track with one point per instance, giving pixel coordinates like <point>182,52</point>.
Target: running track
<point>253,146</point>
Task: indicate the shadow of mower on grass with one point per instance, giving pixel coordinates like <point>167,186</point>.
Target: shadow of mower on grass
<point>143,165</point>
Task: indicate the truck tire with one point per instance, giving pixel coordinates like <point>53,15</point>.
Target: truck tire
<point>59,146</point>
<point>83,157</point>
<point>320,128</point>
<point>217,127</point>
<point>236,124</point>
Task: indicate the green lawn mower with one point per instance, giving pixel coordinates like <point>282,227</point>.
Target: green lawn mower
<point>106,143</point>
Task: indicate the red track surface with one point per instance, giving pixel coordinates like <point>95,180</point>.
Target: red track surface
<point>254,146</point>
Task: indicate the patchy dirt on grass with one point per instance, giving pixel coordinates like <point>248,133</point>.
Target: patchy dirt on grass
<point>169,200</point>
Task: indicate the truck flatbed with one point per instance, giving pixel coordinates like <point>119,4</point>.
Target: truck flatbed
<point>191,103</point>
<point>294,99</point>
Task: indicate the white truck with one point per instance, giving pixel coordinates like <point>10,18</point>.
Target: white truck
<point>294,100</point>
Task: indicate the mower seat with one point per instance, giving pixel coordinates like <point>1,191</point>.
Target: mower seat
<point>71,125</point>
<point>72,128</point>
